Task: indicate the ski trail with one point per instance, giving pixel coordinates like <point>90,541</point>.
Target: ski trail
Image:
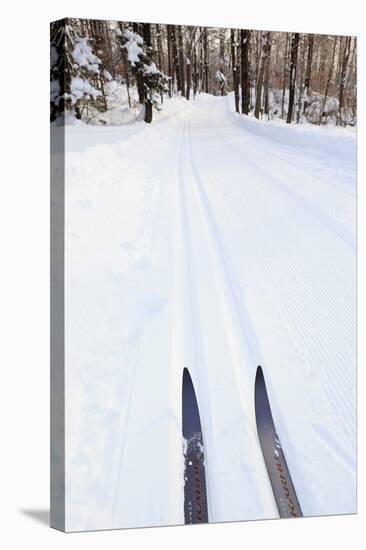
<point>217,253</point>
<point>215,340</point>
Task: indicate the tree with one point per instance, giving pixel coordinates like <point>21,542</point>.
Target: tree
<point>191,47</point>
<point>175,58</point>
<point>75,72</point>
<point>181,59</point>
<point>266,47</point>
<point>293,66</point>
<point>285,65</point>
<point>205,53</point>
<point>266,74</point>
<point>308,69</point>
<point>160,54</point>
<point>170,62</point>
<point>326,90</point>
<point>245,82</point>
<point>301,80</point>
<point>234,64</point>
<point>139,56</point>
<point>138,74</point>
<point>342,80</point>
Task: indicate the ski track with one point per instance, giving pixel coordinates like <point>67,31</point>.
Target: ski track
<point>201,245</point>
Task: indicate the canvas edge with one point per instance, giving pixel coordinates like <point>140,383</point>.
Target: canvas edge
<point>57,322</point>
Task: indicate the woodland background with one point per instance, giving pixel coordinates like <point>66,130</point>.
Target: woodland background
<point>99,66</point>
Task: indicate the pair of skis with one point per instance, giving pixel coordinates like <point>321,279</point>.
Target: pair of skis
<point>195,493</point>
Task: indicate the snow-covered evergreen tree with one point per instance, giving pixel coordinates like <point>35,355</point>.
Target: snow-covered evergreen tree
<point>85,73</point>
<point>152,81</point>
<point>75,72</point>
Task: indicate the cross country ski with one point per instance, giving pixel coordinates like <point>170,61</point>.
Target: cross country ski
<point>278,472</point>
<point>195,497</point>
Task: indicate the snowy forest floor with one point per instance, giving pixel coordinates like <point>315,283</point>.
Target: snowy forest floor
<point>217,242</point>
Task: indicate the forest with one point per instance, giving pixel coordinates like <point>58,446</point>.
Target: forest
<point>101,68</point>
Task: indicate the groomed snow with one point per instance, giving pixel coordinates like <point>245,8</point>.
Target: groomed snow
<point>217,242</point>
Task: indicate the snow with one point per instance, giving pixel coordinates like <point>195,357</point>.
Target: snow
<point>218,242</point>
<point>133,45</point>
<point>81,87</point>
<point>84,56</point>
<point>151,69</point>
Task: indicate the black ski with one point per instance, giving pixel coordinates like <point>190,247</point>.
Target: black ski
<point>195,496</point>
<point>278,472</point>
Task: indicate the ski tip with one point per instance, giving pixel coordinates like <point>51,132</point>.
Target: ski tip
<point>259,377</point>
<point>186,380</point>
<point>186,375</point>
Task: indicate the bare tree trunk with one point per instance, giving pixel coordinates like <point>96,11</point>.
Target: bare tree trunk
<point>159,32</point>
<point>301,83</point>
<point>195,70</point>
<point>258,36</point>
<point>266,37</point>
<point>181,59</point>
<point>266,75</point>
<point>222,50</point>
<point>293,67</point>
<point>342,82</point>
<point>234,63</point>
<point>245,84</point>
<point>326,90</point>
<point>284,77</point>
<point>351,62</point>
<point>191,49</point>
<point>108,41</point>
<point>205,50</point>
<point>127,81</point>
<point>175,57</point>
<point>308,70</point>
<point>188,88</point>
<point>201,66</point>
<point>170,70</point>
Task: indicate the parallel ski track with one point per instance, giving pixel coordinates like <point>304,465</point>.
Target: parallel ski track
<point>185,260</point>
<point>241,340</point>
